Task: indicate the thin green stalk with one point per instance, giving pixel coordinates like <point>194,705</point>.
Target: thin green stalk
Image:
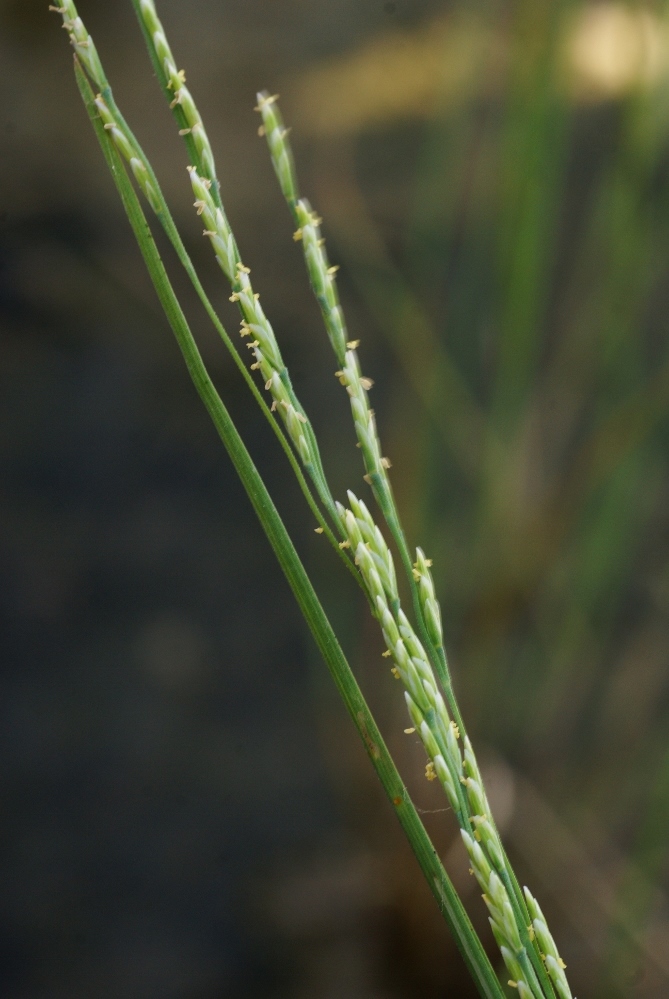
<point>438,881</point>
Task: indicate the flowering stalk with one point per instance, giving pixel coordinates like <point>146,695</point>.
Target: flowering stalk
<point>452,761</point>
<point>267,356</point>
<point>324,286</point>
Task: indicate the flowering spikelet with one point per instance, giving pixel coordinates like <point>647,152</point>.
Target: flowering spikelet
<point>176,82</point>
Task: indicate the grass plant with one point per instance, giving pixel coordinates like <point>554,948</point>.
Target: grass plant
<point>526,945</point>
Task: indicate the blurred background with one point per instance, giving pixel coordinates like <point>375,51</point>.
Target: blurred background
<point>187,813</point>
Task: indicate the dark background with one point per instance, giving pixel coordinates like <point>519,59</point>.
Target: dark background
<point>187,813</point>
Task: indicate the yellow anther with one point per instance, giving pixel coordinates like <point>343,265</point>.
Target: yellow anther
<point>344,544</point>
<point>333,270</point>
<point>297,235</point>
<point>268,384</point>
<point>386,653</point>
<point>261,131</point>
<point>561,963</point>
<point>318,530</point>
<point>235,298</point>
<point>514,985</point>
<point>252,344</point>
<point>456,730</point>
<point>367,479</point>
<point>394,670</point>
<point>415,573</point>
<point>366,383</point>
<point>430,772</point>
<point>353,344</point>
<point>243,270</point>
<point>185,131</point>
<point>200,205</point>
<point>409,731</point>
<point>266,101</point>
<point>386,463</point>
<point>471,871</point>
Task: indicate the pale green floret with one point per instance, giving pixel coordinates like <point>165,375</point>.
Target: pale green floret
<point>471,764</point>
<point>321,276</point>
<point>415,713</point>
<point>558,978</point>
<point>361,510</point>
<point>149,15</point>
<point>512,964</point>
<point>360,532</point>
<point>524,991</point>
<point>352,528</point>
<point>276,133</point>
<point>497,900</point>
<point>429,741</point>
<point>428,686</point>
<point>390,632</point>
<point>410,637</point>
<point>82,42</point>
<point>545,940</point>
<point>129,153</point>
<point>357,387</point>
<point>121,143</point>
<point>444,775</point>
<point>429,604</point>
<point>490,841</point>
<point>480,865</point>
<point>532,904</point>
<point>476,796</point>
<point>453,748</point>
<point>554,963</point>
<point>441,711</point>
<point>370,575</point>
<point>145,183</point>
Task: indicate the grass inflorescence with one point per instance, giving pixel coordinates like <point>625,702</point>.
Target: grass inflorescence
<point>416,649</point>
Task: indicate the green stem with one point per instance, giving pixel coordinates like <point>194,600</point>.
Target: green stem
<point>438,881</point>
